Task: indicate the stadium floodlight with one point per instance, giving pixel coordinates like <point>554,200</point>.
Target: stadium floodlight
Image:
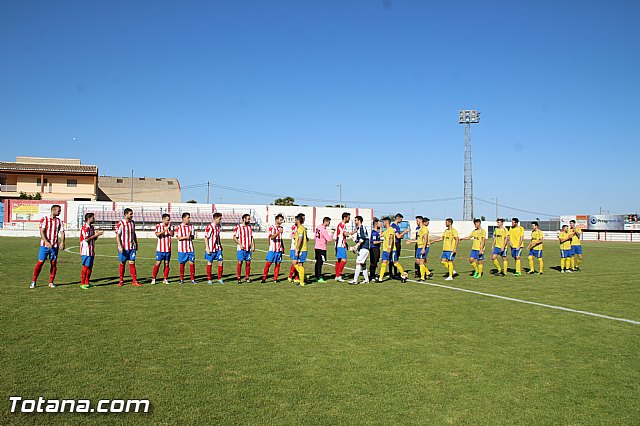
<point>467,117</point>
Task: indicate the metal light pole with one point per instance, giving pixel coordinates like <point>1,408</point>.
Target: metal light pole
<point>340,186</point>
<point>132,185</point>
<point>467,118</point>
<point>208,185</point>
<point>496,198</point>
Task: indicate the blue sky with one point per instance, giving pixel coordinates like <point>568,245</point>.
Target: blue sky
<point>294,97</point>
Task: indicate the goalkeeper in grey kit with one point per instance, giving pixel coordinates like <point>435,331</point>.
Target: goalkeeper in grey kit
<point>361,247</point>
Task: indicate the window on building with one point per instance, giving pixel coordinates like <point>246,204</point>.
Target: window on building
<point>169,182</point>
<point>119,181</point>
<point>72,183</point>
<point>39,181</point>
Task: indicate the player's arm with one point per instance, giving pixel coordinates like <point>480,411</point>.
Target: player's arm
<point>299,245</point>
<point>466,238</point>
<point>47,243</point>
<point>160,233</point>
<point>253,244</point>
<point>62,237</point>
<point>135,240</point>
<point>95,236</point>
<point>483,243</point>
<point>235,238</point>
<point>119,240</point>
<point>506,242</point>
<point>455,247</point>
<point>438,239</point>
<point>425,242</point>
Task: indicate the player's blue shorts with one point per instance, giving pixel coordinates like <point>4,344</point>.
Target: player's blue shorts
<point>536,253</point>
<point>244,255</point>
<point>163,255</point>
<point>393,256</point>
<point>87,261</point>
<point>516,252</point>
<point>213,256</point>
<point>186,257</point>
<point>292,253</point>
<point>419,254</point>
<point>448,255</point>
<point>341,253</point>
<point>302,258</point>
<point>475,254</point>
<point>51,253</point>
<point>127,255</point>
<point>499,252</point>
<point>576,249</point>
<point>276,256</point>
<point>564,254</point>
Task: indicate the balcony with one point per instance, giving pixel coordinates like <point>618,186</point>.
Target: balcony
<point>8,188</point>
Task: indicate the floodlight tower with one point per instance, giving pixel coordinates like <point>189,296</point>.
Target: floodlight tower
<point>468,117</point>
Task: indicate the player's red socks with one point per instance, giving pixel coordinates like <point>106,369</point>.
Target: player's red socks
<point>121,272</point>
<point>209,267</point>
<point>166,271</point>
<point>247,269</point>
<point>292,271</point>
<point>54,269</point>
<point>83,275</point>
<point>192,271</point>
<point>339,268</point>
<point>132,271</point>
<point>219,272</point>
<point>266,270</point>
<point>154,274</point>
<point>36,271</point>
<point>239,269</point>
<point>276,271</point>
<point>88,278</point>
<point>182,272</point>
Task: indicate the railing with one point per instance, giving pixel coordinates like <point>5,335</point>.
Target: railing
<point>8,188</point>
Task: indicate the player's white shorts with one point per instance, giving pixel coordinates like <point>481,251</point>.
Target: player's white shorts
<point>362,255</point>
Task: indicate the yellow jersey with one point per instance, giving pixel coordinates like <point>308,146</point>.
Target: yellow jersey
<point>389,239</point>
<point>476,236</point>
<point>536,236</point>
<point>449,236</point>
<point>567,244</point>
<point>301,235</point>
<point>575,236</point>
<point>499,237</point>
<point>423,233</point>
<point>515,234</point>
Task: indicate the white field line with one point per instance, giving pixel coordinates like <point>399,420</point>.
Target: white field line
<point>480,293</point>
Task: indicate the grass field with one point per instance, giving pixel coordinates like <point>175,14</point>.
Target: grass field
<point>326,353</point>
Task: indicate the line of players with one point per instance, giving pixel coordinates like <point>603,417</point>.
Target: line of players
<point>383,246</point>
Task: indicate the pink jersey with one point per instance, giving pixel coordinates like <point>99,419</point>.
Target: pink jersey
<point>276,245</point>
<point>127,231</point>
<point>322,237</point>
<point>164,240</point>
<point>87,247</point>
<point>182,230</point>
<point>341,238</point>
<point>244,234</point>
<point>52,227</point>
<point>212,232</point>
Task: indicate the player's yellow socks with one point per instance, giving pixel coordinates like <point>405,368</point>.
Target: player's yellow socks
<point>383,269</point>
<point>475,266</point>
<point>572,262</point>
<point>541,264</point>
<point>531,264</point>
<point>497,263</point>
<point>518,265</point>
<point>426,269</point>
<point>300,269</point>
<point>562,263</point>
<point>578,261</point>
<point>399,268</point>
<point>450,265</point>
<point>423,272</point>
<point>480,267</point>
<point>445,264</point>
<point>506,266</point>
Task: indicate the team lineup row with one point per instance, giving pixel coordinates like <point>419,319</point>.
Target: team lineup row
<point>383,246</point>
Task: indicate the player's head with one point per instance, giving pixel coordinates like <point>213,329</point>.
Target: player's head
<point>300,219</point>
<point>534,224</point>
<point>500,222</point>
<point>326,221</point>
<point>449,222</point>
<point>217,217</point>
<point>376,223</point>
<point>359,220</point>
<point>398,218</point>
<point>246,218</point>
<point>419,220</point>
<point>572,223</point>
<point>186,218</point>
<point>166,219</point>
<point>346,217</point>
<point>89,218</point>
<point>386,221</point>
<point>425,220</point>
<point>477,222</point>
<point>279,219</point>
<point>514,221</point>
<point>55,210</point>
<point>128,213</point>
<point>565,228</point>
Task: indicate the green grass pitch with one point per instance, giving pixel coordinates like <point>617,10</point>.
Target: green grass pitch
<point>327,353</point>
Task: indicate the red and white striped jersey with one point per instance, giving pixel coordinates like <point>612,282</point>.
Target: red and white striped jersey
<point>52,227</point>
<point>244,234</point>
<point>182,230</point>
<point>127,231</point>
<point>87,248</point>
<point>276,245</point>
<point>212,232</point>
<point>341,239</point>
<point>294,228</point>
<point>164,240</point>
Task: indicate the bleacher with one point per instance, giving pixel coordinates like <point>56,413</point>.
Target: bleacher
<point>147,219</point>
